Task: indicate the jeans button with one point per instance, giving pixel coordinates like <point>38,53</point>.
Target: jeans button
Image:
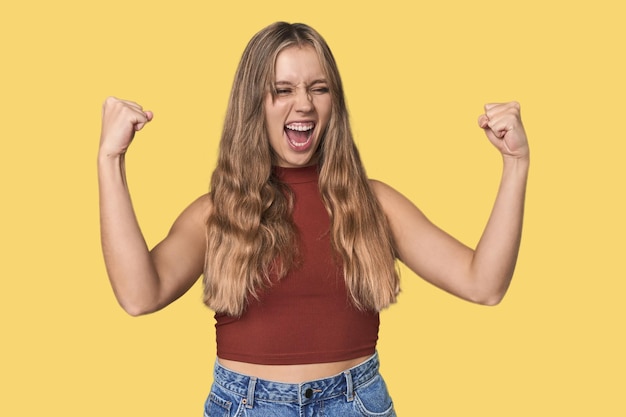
<point>308,393</point>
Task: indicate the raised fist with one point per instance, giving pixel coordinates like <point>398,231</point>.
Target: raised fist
<point>503,126</point>
<point>120,120</point>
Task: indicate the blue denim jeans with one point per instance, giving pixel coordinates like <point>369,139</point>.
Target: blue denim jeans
<point>358,392</point>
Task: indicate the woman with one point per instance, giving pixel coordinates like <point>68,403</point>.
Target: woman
<point>296,245</point>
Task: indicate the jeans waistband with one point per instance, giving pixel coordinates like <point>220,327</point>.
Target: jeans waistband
<point>252,388</point>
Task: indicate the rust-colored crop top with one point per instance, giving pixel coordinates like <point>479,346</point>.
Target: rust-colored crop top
<point>306,317</point>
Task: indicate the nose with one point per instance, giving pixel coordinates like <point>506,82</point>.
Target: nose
<point>304,102</point>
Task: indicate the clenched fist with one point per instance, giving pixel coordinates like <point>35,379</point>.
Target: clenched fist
<point>503,126</point>
<point>120,120</point>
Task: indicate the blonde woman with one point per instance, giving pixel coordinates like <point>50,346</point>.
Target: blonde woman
<point>296,245</point>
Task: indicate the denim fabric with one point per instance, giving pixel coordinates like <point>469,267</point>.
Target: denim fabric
<point>358,392</point>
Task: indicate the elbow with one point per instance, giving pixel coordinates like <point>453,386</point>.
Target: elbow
<point>488,297</point>
<point>491,301</point>
<point>136,309</point>
<point>137,301</point>
<point>488,289</point>
<point>132,310</point>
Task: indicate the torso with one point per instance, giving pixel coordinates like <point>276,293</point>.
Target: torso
<point>304,325</point>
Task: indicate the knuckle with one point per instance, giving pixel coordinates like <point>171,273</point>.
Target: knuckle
<point>110,101</point>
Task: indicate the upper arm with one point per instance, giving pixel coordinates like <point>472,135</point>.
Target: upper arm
<point>179,258</point>
<point>426,249</point>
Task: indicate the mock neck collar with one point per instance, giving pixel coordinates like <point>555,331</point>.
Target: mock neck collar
<point>296,175</point>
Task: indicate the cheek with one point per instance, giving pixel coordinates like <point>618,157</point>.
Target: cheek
<point>275,115</point>
<point>325,113</point>
<point>324,106</point>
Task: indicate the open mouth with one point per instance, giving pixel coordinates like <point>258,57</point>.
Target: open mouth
<point>299,134</point>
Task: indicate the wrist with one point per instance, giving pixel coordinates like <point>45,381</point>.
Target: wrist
<point>106,156</point>
<point>517,161</point>
<point>516,167</point>
<point>111,166</point>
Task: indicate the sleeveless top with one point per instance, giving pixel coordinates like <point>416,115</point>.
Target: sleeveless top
<point>305,317</point>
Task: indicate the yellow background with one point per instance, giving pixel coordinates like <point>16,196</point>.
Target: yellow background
<point>416,77</point>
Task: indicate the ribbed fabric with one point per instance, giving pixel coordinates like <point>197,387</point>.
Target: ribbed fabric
<point>306,317</point>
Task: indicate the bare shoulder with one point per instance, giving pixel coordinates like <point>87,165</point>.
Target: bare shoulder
<point>197,212</point>
<point>376,185</point>
<point>407,222</point>
<point>389,198</point>
<point>202,204</point>
<point>381,190</point>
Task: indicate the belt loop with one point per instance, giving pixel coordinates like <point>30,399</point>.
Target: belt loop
<point>349,386</point>
<point>250,398</point>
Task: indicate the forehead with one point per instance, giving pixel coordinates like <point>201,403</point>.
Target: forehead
<point>297,64</point>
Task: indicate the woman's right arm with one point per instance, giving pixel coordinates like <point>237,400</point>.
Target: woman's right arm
<point>143,281</point>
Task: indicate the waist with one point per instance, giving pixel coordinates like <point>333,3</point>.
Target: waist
<point>291,373</point>
<point>308,390</point>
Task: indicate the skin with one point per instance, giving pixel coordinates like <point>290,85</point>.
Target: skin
<point>301,96</point>
<point>146,280</point>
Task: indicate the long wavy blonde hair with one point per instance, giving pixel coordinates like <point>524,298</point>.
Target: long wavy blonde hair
<point>250,234</point>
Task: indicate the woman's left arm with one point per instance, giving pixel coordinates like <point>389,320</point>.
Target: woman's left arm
<point>481,275</point>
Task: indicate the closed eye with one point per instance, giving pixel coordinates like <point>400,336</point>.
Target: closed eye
<point>282,91</point>
<point>320,90</point>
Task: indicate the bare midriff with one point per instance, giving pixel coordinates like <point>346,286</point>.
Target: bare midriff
<point>291,374</point>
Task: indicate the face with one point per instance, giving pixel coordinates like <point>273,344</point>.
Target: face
<point>298,111</point>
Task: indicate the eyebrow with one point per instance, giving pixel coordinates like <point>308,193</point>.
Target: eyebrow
<point>318,81</point>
